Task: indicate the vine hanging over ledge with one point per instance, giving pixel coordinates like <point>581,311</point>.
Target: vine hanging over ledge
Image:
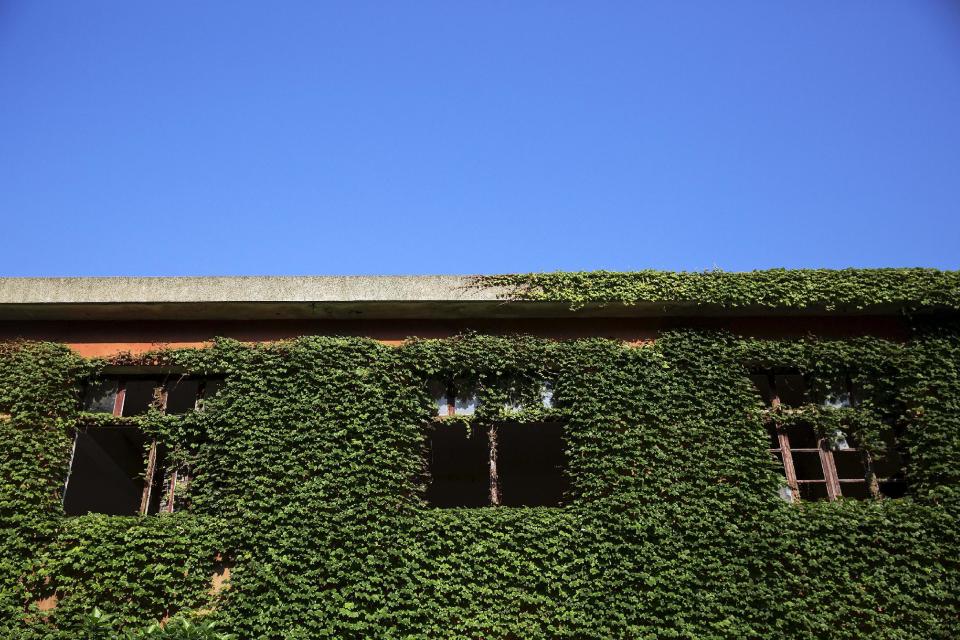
<point>845,289</point>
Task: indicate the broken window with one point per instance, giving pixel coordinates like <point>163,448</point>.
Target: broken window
<point>459,466</point>
<point>508,463</point>
<point>530,463</point>
<point>816,467</point>
<point>118,470</point>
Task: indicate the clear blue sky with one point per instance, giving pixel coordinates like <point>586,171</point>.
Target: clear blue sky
<point>177,138</point>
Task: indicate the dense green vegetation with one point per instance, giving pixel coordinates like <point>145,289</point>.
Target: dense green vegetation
<point>773,288</point>
<point>310,476</point>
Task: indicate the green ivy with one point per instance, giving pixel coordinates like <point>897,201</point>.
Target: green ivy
<point>310,477</point>
<point>826,289</point>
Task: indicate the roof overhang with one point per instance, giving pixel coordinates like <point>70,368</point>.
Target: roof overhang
<point>311,297</point>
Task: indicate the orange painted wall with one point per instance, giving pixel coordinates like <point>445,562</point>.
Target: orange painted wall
<point>90,338</point>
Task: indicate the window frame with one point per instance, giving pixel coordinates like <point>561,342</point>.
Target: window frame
<point>451,392</point>
<point>831,479</point>
<point>161,389</point>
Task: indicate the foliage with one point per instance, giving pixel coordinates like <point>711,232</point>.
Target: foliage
<point>774,288</point>
<point>310,478</point>
<point>100,626</point>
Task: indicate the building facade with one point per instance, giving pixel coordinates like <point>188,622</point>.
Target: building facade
<point>642,455</point>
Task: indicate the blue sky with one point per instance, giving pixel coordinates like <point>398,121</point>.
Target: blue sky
<point>204,138</point>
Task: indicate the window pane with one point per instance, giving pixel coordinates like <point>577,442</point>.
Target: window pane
<point>137,396</point>
<point>530,462</point>
<point>857,490</point>
<point>459,467</point>
<point>849,465</point>
<point>107,472</point>
<point>100,396</point>
<point>762,384</point>
<point>813,491</point>
<point>802,436</point>
<point>808,465</point>
<point>790,389</point>
<point>182,396</point>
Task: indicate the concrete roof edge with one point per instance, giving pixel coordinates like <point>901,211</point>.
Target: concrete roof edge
<point>213,289</point>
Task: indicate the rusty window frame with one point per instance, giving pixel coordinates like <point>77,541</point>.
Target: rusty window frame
<point>160,395</point>
<point>831,479</point>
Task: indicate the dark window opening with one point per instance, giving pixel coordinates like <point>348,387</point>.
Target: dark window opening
<point>459,466</point>
<point>530,463</point>
<point>802,436</point>
<point>508,464</point>
<point>107,473</point>
<point>775,389</point>
<point>790,389</point>
<point>857,490</point>
<point>182,396</point>
<point>811,491</point>
<point>138,395</point>
<point>849,465</point>
<point>119,470</point>
<point>889,467</point>
<point>808,465</point>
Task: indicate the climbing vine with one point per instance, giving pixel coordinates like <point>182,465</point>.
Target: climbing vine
<point>827,289</point>
<point>310,478</point>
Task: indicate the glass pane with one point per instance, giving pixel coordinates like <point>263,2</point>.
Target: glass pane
<point>182,396</point>
<point>100,396</point>
<point>791,389</point>
<point>137,396</point>
<point>813,491</point>
<point>802,436</point>
<point>107,472</point>
<point>762,384</point>
<point>807,465</point>
<point>857,490</point>
<point>849,465</point>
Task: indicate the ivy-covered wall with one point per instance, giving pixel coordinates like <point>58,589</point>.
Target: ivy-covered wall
<point>310,475</point>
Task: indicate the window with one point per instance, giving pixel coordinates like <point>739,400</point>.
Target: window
<point>118,470</point>
<point>508,463</point>
<point>820,468</point>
